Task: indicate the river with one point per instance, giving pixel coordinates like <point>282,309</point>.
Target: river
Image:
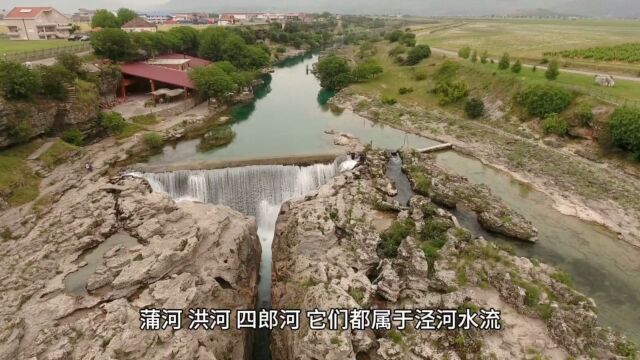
<point>289,117</point>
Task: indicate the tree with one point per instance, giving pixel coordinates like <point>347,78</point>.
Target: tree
<point>18,81</point>
<point>624,127</point>
<point>54,80</point>
<point>484,57</point>
<point>186,39</point>
<point>211,40</point>
<point>334,73</point>
<point>394,35</point>
<point>516,67</point>
<point>417,54</point>
<point>474,57</point>
<point>125,15</point>
<point>474,108</point>
<point>367,70</point>
<point>113,44</point>
<point>104,19</point>
<point>465,52</point>
<point>505,62</point>
<point>112,122</point>
<point>71,62</point>
<point>450,91</point>
<point>553,70</point>
<point>213,82</point>
<point>543,100</point>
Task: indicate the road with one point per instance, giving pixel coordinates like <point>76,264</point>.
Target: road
<point>569,71</point>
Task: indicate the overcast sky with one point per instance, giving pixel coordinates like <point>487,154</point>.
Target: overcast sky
<point>601,8</point>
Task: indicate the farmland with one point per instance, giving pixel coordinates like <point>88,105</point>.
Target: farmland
<point>625,52</point>
<point>530,39</point>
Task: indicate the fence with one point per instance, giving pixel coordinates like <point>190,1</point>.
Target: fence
<point>603,95</point>
<point>46,53</point>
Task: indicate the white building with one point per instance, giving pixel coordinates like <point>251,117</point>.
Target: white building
<point>37,23</point>
<point>139,25</point>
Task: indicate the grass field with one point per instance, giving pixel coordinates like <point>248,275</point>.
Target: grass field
<point>20,46</point>
<point>529,39</point>
<point>482,79</point>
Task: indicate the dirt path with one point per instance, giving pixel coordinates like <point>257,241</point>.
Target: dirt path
<point>569,71</point>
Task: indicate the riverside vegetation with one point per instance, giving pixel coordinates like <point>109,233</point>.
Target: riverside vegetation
<point>529,123</point>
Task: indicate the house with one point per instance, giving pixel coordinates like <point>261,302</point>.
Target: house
<point>83,15</point>
<point>156,17</point>
<point>139,25</point>
<point>37,23</point>
<point>226,19</point>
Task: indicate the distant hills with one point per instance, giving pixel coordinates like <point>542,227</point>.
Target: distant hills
<point>552,8</point>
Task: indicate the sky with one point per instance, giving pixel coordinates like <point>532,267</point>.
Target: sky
<point>598,8</point>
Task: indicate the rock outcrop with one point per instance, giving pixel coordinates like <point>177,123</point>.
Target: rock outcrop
<point>339,249</point>
<point>175,256</point>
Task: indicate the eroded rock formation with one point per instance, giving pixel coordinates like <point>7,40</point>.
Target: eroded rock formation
<point>179,256</point>
<point>347,246</point>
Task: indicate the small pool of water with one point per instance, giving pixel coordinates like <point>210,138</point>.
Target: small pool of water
<point>76,282</point>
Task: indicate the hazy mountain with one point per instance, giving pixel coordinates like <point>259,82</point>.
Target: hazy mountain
<point>601,8</point>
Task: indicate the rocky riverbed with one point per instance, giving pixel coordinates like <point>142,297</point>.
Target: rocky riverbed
<point>183,256</point>
<point>349,245</point>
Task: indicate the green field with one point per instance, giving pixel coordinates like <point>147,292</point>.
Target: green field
<point>529,39</point>
<point>20,46</point>
<point>482,79</point>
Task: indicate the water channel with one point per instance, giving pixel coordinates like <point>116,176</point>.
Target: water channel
<point>289,117</point>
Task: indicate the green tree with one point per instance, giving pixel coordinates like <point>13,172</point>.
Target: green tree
<point>474,108</point>
<point>474,56</point>
<point>71,62</point>
<point>186,38</point>
<point>516,67</point>
<point>505,62</point>
<point>104,19</point>
<point>465,52</point>
<point>450,91</point>
<point>113,44</point>
<point>484,57</point>
<point>334,73</point>
<point>213,82</point>
<point>212,41</point>
<point>543,100</point>
<point>125,15</point>
<point>18,81</point>
<point>394,35</point>
<point>367,70</point>
<point>553,70</point>
<point>624,127</point>
<point>417,54</point>
<point>54,81</point>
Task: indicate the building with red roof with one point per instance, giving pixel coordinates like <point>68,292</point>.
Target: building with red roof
<point>37,23</point>
<point>164,71</point>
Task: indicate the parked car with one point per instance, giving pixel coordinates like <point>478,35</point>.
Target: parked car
<point>78,37</point>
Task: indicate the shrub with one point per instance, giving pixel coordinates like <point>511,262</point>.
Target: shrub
<point>405,90</point>
<point>73,137</point>
<point>388,100</point>
<point>397,50</point>
<point>474,57</point>
<point>484,57</point>
<point>474,108</point>
<point>553,70</point>
<point>153,141</point>
<point>366,70</point>
<point>71,62</point>
<point>420,75</point>
<point>624,127</point>
<point>450,91</point>
<point>465,52</point>
<point>543,100</point>
<point>18,81</point>
<point>393,236</point>
<point>281,49</point>
<point>505,62</point>
<point>54,80</point>
<point>216,137</point>
<point>516,67</point>
<point>554,124</point>
<point>584,115</point>
<point>417,54</point>
<point>534,68</point>
<point>112,122</point>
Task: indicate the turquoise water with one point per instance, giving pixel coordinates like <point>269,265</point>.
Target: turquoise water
<point>289,117</point>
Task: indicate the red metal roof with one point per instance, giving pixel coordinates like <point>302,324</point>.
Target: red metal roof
<point>194,63</point>
<point>20,12</point>
<point>158,73</point>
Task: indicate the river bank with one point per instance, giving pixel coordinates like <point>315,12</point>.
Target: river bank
<point>622,220</point>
